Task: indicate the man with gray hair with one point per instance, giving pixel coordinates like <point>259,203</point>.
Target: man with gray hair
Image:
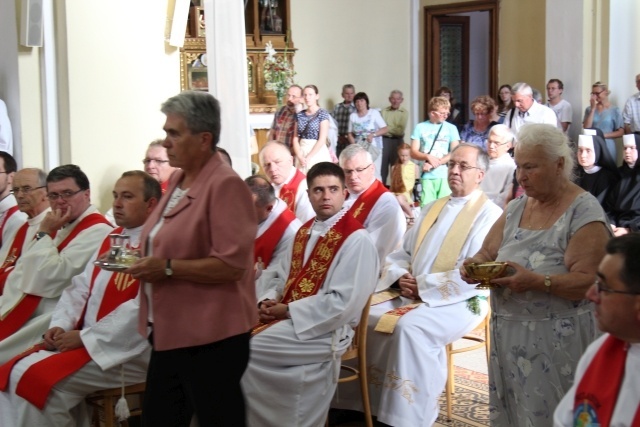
<point>396,118</point>
<point>527,110</point>
<point>498,179</point>
<point>370,202</point>
<point>422,304</point>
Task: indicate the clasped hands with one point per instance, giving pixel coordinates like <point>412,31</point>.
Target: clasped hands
<point>270,310</point>
<point>57,338</point>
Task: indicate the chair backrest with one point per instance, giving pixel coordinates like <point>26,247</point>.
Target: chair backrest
<point>360,338</point>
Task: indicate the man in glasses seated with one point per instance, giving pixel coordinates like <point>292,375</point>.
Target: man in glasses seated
<point>66,238</point>
<point>606,388</point>
<point>30,191</point>
<point>370,202</point>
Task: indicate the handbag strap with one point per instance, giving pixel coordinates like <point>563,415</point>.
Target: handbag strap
<point>435,138</point>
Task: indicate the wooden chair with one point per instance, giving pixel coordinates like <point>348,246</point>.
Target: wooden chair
<point>358,349</point>
<point>104,402</point>
<point>472,336</point>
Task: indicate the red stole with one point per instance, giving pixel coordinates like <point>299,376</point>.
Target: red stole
<point>288,191</point>
<point>305,279</point>
<point>10,211</point>
<point>361,208</point>
<point>13,254</point>
<point>597,393</point>
<point>37,381</point>
<point>19,315</point>
<point>267,242</point>
<point>164,186</point>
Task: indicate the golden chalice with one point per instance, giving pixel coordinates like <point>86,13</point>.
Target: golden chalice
<point>486,271</point>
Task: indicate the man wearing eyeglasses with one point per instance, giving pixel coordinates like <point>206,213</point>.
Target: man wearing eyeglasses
<point>10,216</point>
<point>498,180</point>
<point>422,304</point>
<point>29,189</point>
<point>606,388</point>
<point>527,110</point>
<point>66,238</point>
<point>156,163</point>
<point>370,202</point>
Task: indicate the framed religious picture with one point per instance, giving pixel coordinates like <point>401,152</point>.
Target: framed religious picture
<point>197,21</point>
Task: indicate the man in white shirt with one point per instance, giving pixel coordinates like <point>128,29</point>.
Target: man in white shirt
<point>290,184</point>
<point>370,202</point>
<point>92,331</point>
<point>29,188</point>
<point>422,304</point>
<point>560,106</point>
<point>631,112</point>
<point>10,216</point>
<point>606,388</point>
<point>308,314</point>
<point>527,110</point>
<point>498,180</point>
<point>277,225</point>
<point>66,238</point>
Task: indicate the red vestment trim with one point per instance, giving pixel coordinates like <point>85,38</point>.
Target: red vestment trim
<point>10,211</point>
<point>265,245</point>
<point>305,279</point>
<point>597,393</point>
<point>363,205</point>
<point>37,381</point>
<point>13,254</point>
<point>289,190</point>
<point>19,315</point>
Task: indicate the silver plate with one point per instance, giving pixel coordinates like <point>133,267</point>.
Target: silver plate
<point>110,266</point>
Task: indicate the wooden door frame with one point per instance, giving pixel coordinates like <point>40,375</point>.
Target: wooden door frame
<point>430,14</point>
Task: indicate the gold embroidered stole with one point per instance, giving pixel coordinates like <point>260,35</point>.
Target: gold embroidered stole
<point>447,256</point>
<point>289,190</point>
<point>305,279</point>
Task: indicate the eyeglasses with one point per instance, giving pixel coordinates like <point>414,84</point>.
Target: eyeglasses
<point>25,190</point>
<point>157,162</point>
<point>357,170</point>
<point>463,166</point>
<point>480,113</point>
<point>596,93</point>
<point>65,195</point>
<point>600,287</point>
<point>496,143</point>
<point>441,114</point>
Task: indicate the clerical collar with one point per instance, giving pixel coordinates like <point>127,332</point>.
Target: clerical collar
<point>594,169</point>
<point>324,226</point>
<point>463,198</point>
<point>354,196</point>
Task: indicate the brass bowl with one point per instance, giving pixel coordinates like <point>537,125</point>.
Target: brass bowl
<point>484,272</point>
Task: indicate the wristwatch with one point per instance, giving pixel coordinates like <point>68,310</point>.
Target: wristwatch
<point>41,234</point>
<point>168,270</point>
<point>547,283</point>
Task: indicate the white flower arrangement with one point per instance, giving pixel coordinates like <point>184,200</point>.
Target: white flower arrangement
<point>278,72</point>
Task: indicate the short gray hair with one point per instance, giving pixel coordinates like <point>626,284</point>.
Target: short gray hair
<point>502,131</point>
<point>353,150</point>
<point>550,140</point>
<point>399,92</point>
<point>482,158</point>
<point>522,88</point>
<point>200,111</point>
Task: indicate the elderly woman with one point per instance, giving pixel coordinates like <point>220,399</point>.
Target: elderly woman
<point>553,238</point>
<point>477,130</point>
<point>310,140</point>
<point>198,296</point>
<point>366,128</point>
<point>603,115</point>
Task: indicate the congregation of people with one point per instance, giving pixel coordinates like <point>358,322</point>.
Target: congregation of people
<point>244,293</point>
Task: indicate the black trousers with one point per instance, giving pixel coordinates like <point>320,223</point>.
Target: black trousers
<point>389,155</point>
<point>204,380</point>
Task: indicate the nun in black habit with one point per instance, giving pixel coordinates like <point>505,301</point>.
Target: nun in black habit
<point>597,172</point>
<point>623,201</point>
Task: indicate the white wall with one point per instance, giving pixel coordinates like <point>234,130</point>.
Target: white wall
<point>624,54</point>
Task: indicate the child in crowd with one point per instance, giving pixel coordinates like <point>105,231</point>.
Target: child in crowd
<point>403,177</point>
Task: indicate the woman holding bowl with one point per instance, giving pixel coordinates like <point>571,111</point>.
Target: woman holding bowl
<point>553,238</point>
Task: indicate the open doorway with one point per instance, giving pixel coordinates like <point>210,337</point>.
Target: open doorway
<point>461,50</point>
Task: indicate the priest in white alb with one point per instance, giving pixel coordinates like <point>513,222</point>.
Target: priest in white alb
<point>92,342</point>
<point>315,298</point>
<point>422,304</point>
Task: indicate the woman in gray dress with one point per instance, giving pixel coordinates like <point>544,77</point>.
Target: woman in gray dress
<point>553,236</point>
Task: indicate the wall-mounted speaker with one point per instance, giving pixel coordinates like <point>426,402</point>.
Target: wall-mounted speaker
<point>31,23</point>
